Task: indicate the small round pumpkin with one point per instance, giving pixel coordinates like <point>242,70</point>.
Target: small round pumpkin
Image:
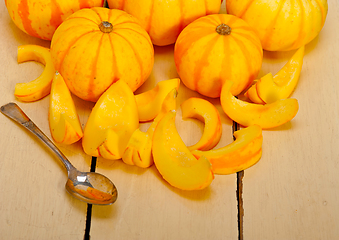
<point>215,48</point>
<point>93,48</point>
<point>282,25</point>
<point>164,20</point>
<point>40,18</point>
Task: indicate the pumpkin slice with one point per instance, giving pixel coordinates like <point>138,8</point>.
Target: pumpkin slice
<point>149,103</point>
<point>175,162</point>
<point>111,123</point>
<point>63,119</point>
<point>281,86</point>
<point>252,94</point>
<point>40,87</point>
<point>139,148</point>
<point>206,112</point>
<point>266,116</point>
<point>241,154</point>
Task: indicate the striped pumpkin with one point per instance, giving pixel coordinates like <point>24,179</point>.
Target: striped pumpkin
<point>216,48</point>
<point>40,18</point>
<point>94,48</point>
<point>164,20</point>
<point>282,25</point>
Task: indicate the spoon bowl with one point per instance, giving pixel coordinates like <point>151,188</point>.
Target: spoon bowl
<point>90,187</point>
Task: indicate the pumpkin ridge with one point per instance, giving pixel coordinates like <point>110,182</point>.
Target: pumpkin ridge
<point>91,84</point>
<point>268,33</point>
<point>56,13</point>
<point>205,3</point>
<point>149,23</point>
<point>137,57</point>
<point>24,16</point>
<point>139,33</point>
<point>181,22</point>
<point>186,43</point>
<point>300,37</point>
<point>243,48</point>
<point>114,61</point>
<point>226,60</point>
<point>99,15</point>
<point>84,18</point>
<point>239,35</point>
<point>323,13</point>
<point>203,62</point>
<point>246,7</point>
<point>213,20</point>
<point>64,54</point>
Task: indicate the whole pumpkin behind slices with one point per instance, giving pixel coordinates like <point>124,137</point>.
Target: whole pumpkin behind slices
<point>40,18</point>
<point>96,47</point>
<point>217,48</point>
<point>164,20</point>
<point>281,25</point>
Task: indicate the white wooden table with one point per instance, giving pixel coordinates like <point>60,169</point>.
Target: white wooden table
<point>291,193</point>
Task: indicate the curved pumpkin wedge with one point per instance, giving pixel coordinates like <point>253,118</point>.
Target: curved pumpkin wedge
<point>175,162</point>
<point>241,154</point>
<point>206,112</point>
<point>139,148</point>
<point>40,87</point>
<point>284,82</point>
<point>111,123</point>
<point>63,119</point>
<point>266,116</point>
<point>149,103</point>
<point>252,94</point>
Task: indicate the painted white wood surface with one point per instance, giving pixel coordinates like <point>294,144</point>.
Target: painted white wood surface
<point>34,204</point>
<point>293,192</point>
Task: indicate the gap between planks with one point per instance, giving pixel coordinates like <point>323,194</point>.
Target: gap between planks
<point>240,207</point>
<point>87,235</point>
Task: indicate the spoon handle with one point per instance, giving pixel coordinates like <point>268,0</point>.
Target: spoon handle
<point>14,112</point>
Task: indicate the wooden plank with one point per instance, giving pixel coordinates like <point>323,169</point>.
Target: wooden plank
<point>147,206</point>
<point>292,193</point>
<point>34,202</point>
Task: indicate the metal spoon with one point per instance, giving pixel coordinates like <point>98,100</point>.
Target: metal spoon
<point>90,187</point>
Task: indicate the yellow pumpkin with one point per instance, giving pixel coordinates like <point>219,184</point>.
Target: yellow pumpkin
<point>164,20</point>
<point>282,25</point>
<point>216,48</point>
<point>40,18</point>
<point>96,47</point>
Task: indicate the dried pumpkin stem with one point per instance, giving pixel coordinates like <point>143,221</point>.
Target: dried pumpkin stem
<point>106,27</point>
<point>223,29</point>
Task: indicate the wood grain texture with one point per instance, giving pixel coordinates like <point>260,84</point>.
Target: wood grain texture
<point>292,193</point>
<point>34,202</point>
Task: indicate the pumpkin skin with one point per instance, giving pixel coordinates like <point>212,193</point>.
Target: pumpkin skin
<point>282,25</point>
<point>96,47</point>
<point>207,53</point>
<point>164,20</point>
<point>40,18</point>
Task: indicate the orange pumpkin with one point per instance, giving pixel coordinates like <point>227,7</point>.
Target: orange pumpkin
<point>282,25</point>
<point>216,48</point>
<point>164,20</point>
<point>40,18</point>
<point>94,48</point>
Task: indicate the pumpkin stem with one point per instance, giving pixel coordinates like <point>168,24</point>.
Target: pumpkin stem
<point>106,27</point>
<point>223,29</point>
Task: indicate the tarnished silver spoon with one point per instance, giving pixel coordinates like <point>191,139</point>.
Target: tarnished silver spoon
<point>90,187</point>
